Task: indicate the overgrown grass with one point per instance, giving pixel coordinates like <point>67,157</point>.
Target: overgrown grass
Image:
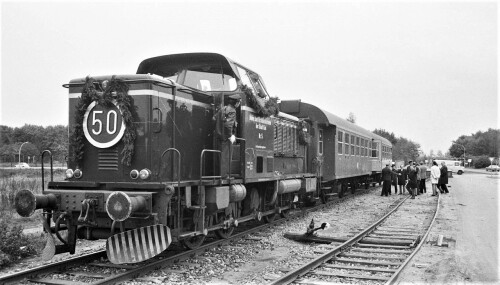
<point>13,243</point>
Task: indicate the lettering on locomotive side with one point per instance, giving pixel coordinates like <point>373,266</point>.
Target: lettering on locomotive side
<point>265,121</point>
<point>260,126</point>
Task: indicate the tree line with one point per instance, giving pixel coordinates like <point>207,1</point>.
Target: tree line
<point>38,138</point>
<point>478,147</point>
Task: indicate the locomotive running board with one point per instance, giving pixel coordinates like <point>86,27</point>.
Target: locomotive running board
<point>138,244</point>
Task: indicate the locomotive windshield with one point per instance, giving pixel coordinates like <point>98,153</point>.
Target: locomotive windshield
<point>205,72</point>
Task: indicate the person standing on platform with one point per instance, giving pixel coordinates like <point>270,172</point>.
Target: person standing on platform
<point>443,178</point>
<point>402,177</point>
<point>435,173</point>
<point>412,180</point>
<point>394,177</point>
<point>387,179</point>
<point>417,169</point>
<point>423,177</point>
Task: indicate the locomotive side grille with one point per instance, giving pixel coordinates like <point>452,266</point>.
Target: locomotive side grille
<point>107,159</point>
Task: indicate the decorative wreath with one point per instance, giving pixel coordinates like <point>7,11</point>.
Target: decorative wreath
<point>262,107</point>
<point>115,91</point>
<point>304,136</point>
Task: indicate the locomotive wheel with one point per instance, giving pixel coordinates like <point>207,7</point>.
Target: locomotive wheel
<point>252,202</point>
<point>353,187</point>
<point>193,242</point>
<point>284,213</point>
<point>342,187</point>
<point>269,218</point>
<point>223,233</point>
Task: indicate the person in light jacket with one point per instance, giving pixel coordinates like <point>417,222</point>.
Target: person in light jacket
<point>435,173</point>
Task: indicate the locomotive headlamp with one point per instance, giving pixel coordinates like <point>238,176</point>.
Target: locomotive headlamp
<point>69,173</point>
<point>77,173</point>
<point>144,174</point>
<point>134,174</point>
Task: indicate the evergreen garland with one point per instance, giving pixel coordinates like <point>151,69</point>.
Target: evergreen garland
<point>116,90</point>
<point>269,108</point>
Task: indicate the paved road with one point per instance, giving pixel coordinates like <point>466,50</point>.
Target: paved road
<point>477,240</point>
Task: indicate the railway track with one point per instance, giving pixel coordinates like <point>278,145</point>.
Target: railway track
<point>94,268</point>
<point>377,254</point>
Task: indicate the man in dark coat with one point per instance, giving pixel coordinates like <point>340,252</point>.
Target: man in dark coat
<point>394,177</point>
<point>443,178</point>
<point>387,179</point>
<point>412,180</point>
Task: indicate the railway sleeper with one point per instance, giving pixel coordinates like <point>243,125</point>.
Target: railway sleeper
<point>387,251</point>
<point>363,268</point>
<point>368,256</point>
<point>367,262</point>
<point>353,276</point>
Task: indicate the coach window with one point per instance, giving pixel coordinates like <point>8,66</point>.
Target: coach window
<point>374,149</point>
<point>352,145</point>
<point>346,144</point>
<point>357,145</point>
<point>320,142</point>
<point>340,138</point>
<point>362,147</point>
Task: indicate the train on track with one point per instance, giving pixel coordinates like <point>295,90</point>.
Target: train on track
<point>145,160</point>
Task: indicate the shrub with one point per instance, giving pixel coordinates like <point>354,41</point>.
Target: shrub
<point>481,162</point>
<point>14,244</point>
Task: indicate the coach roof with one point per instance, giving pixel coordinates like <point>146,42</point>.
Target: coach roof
<point>305,110</point>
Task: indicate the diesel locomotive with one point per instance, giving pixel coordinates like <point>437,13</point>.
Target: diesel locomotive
<point>144,164</point>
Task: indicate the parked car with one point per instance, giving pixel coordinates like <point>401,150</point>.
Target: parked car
<point>22,165</point>
<point>493,168</point>
<point>453,165</point>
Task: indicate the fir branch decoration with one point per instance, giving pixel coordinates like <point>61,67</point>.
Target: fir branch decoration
<point>116,90</point>
<point>262,107</point>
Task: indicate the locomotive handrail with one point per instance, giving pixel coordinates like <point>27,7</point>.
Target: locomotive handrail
<point>51,169</point>
<point>231,155</point>
<point>178,180</point>
<point>202,160</point>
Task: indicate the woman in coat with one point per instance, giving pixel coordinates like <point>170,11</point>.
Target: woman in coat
<point>402,177</point>
<point>435,174</point>
<point>443,178</point>
<point>412,180</point>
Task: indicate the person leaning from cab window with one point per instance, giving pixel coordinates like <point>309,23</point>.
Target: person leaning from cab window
<point>226,125</point>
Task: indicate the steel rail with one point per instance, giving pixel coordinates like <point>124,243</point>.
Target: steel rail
<point>16,277</point>
<point>292,275</point>
<point>395,276</point>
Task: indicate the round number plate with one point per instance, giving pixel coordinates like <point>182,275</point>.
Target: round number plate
<point>103,127</point>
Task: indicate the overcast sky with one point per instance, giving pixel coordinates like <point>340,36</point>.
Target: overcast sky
<point>426,71</point>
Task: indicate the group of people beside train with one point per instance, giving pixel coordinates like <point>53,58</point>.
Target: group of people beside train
<point>412,177</point>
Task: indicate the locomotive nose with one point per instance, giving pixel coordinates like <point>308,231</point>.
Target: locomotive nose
<point>120,206</point>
